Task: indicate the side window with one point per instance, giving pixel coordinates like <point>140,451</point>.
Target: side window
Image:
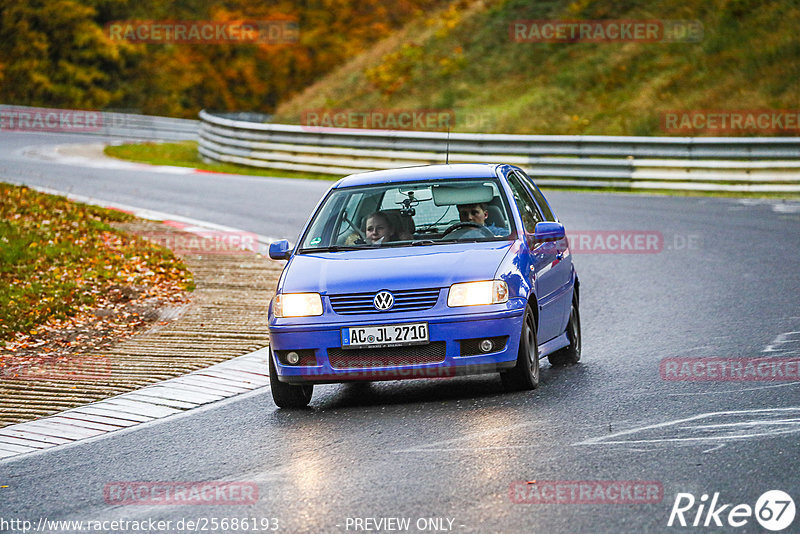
<point>546,212</point>
<point>527,207</point>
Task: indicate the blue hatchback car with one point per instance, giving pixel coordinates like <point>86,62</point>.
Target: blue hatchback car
<point>424,272</point>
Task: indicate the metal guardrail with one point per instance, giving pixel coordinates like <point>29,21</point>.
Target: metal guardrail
<point>757,164</point>
<point>110,124</point>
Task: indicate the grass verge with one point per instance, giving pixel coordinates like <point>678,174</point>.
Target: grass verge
<point>60,259</point>
<point>184,154</point>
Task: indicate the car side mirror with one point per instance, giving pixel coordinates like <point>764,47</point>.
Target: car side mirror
<point>548,231</point>
<point>280,250</point>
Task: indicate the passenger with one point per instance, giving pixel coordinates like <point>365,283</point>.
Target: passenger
<point>403,224</point>
<point>379,229</point>
<point>478,213</point>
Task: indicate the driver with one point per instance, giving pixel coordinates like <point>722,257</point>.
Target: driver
<point>478,213</point>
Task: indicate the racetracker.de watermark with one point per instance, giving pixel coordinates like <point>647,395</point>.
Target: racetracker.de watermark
<point>606,31</point>
<point>379,119</point>
<point>271,31</point>
<point>615,242</point>
<point>630,242</point>
<point>586,492</point>
<point>246,523</point>
<point>205,241</point>
<point>366,369</point>
<point>49,120</point>
<point>180,493</point>
<point>731,121</point>
<point>767,369</point>
<point>72,368</point>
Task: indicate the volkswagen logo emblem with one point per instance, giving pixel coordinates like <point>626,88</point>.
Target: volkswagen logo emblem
<point>383,301</point>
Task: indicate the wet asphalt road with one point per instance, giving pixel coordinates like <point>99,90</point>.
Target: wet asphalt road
<point>447,454</point>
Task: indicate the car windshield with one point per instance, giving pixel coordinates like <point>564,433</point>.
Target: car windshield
<point>410,214</point>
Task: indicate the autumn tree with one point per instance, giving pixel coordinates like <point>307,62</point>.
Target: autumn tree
<point>54,54</point>
<point>58,52</point>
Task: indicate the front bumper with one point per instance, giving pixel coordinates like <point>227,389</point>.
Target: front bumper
<point>452,332</point>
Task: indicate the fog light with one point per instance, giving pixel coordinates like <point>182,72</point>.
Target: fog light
<point>486,345</point>
<point>293,358</point>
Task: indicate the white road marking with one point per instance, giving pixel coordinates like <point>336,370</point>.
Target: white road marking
<point>788,343</point>
<point>743,424</point>
<point>780,206</point>
<point>785,344</point>
<point>761,426</point>
<point>730,390</point>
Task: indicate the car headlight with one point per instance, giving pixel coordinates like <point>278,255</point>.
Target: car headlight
<point>297,305</point>
<point>477,293</point>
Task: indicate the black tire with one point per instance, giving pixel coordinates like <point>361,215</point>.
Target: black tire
<point>287,395</point>
<point>570,354</point>
<point>525,375</point>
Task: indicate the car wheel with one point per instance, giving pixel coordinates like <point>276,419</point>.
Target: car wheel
<point>525,375</point>
<point>287,395</point>
<point>572,352</point>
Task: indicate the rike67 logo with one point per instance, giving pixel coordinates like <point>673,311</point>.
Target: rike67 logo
<point>774,510</point>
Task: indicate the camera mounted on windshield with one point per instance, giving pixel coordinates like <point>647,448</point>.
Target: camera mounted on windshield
<point>408,205</point>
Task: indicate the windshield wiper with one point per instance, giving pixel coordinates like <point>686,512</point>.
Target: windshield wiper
<point>428,242</point>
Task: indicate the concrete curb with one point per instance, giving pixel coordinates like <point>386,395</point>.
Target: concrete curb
<point>178,395</point>
<point>158,401</point>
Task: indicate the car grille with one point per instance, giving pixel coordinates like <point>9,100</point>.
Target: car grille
<point>387,357</point>
<point>404,300</point>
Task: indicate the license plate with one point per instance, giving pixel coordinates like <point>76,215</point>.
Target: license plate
<point>393,335</point>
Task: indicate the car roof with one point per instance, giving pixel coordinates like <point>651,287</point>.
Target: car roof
<point>421,172</point>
